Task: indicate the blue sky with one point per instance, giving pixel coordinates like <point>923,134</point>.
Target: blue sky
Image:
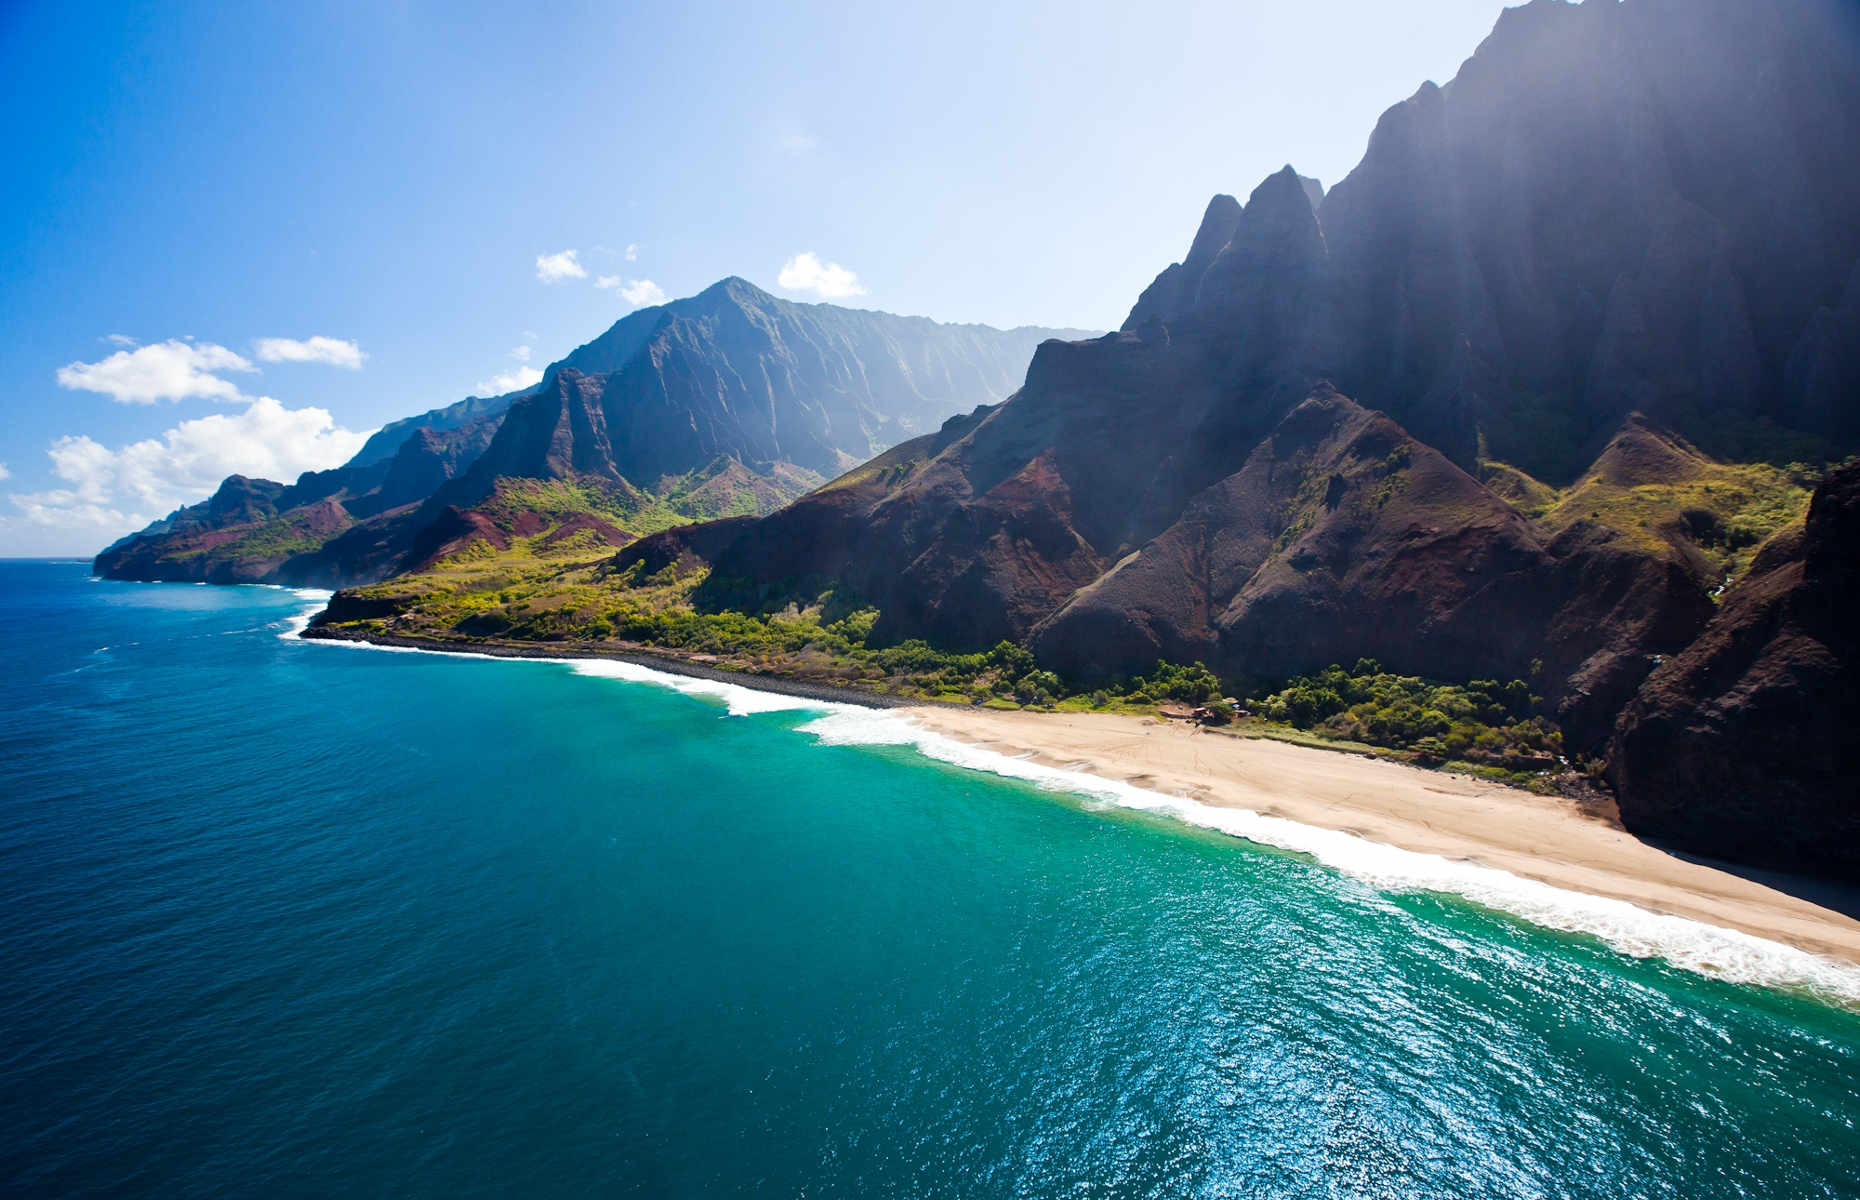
<point>296,222</point>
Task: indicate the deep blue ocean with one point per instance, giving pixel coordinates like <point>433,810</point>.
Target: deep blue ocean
<point>280,918</point>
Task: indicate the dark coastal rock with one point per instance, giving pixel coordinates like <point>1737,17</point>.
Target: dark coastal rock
<point>349,605</point>
<point>1742,747</point>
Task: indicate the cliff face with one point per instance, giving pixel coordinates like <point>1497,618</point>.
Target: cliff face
<point>732,401</point>
<point>1571,247</point>
<point>1742,746</point>
<point>737,373</point>
<point>1612,208</point>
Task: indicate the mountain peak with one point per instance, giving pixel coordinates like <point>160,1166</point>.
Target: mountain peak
<point>1280,198</point>
<point>1218,224</point>
<point>734,287</point>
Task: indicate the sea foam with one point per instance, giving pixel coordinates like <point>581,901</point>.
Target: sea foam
<point>1628,928</point>
<point>1727,954</point>
<point>740,700</point>
<point>317,597</point>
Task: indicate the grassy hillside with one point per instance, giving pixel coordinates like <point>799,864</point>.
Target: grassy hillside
<point>1660,492</point>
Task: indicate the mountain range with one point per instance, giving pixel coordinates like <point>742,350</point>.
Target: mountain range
<point>731,401</point>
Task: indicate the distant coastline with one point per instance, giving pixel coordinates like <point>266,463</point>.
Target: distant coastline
<point>784,685</point>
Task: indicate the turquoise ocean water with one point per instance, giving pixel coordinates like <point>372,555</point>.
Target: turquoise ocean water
<point>290,919</point>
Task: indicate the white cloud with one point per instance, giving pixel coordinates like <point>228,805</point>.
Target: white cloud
<point>110,492</point>
<point>4,473</point>
<point>170,370</point>
<point>508,381</point>
<point>796,141</point>
<point>632,251</point>
<point>520,353</point>
<point>554,268</point>
<point>830,281</point>
<point>637,292</point>
<point>334,351</point>
<point>642,292</point>
<point>120,339</point>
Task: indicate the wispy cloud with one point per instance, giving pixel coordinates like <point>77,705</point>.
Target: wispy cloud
<point>796,141</point>
<point>4,473</point>
<point>170,370</point>
<point>637,292</point>
<point>334,351</point>
<point>632,252</point>
<point>108,491</point>
<point>830,281</point>
<point>120,339</point>
<point>520,353</point>
<point>508,381</point>
<point>554,268</point>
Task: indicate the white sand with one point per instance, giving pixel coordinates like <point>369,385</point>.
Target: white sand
<point>1547,839</point>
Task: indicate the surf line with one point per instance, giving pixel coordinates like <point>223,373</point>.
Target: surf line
<point>1635,932</point>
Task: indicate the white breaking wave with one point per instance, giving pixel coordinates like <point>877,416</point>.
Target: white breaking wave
<point>1711,950</point>
<point>1628,928</point>
<point>741,700</point>
<point>317,597</point>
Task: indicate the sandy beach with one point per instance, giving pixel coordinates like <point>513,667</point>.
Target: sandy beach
<point>1543,838</point>
<point>1546,839</point>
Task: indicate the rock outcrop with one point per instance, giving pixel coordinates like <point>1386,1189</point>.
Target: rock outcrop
<point>1743,746</point>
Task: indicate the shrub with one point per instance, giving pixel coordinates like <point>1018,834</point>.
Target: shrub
<point>1481,719</point>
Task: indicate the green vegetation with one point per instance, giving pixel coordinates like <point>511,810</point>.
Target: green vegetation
<point>888,470</point>
<point>1517,489</point>
<point>268,541</point>
<point>517,597</point>
<point>724,488</point>
<point>1721,510</point>
<point>543,589</point>
<point>1483,723</point>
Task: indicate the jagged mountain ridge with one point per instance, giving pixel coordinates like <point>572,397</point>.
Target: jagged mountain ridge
<point>1614,207</point>
<point>735,372</point>
<point>1568,244</point>
<point>729,398</point>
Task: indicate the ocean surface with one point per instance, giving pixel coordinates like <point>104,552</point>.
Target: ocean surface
<point>281,918</point>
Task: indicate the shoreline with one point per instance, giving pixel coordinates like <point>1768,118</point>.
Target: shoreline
<point>1541,859</point>
<point>1546,840</point>
<point>781,685</point>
